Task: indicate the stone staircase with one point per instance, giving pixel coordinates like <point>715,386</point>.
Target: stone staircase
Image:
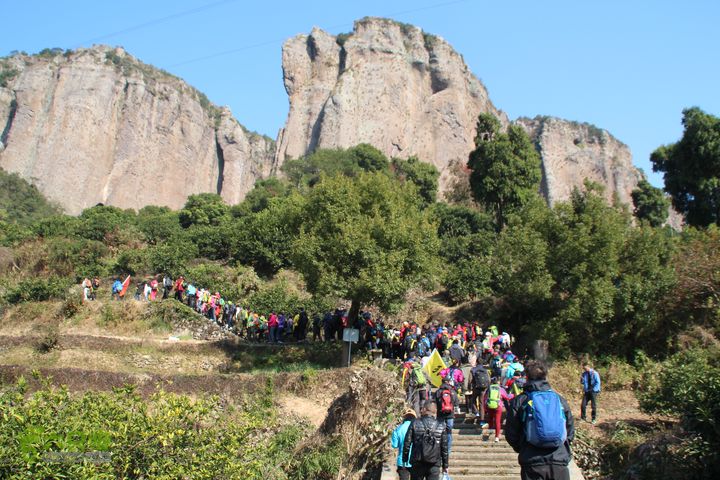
<point>476,456</point>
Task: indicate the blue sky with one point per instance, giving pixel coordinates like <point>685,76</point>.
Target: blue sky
<point>627,66</point>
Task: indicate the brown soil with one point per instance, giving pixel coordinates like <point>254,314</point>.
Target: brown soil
<point>313,410</point>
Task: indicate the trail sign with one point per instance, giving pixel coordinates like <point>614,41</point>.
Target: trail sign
<point>351,335</point>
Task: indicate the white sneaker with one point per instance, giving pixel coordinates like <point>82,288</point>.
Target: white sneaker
<point>497,439</point>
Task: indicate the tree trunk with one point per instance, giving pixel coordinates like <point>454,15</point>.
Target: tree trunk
<point>353,313</point>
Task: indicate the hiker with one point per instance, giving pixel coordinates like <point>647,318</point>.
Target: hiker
<point>317,321</point>
<point>301,325</point>
<point>192,295</point>
<point>447,401</point>
<point>429,447</point>
<point>540,428</point>
<point>167,286</point>
<point>494,399</point>
<point>117,290</point>
<point>456,351</point>
<point>398,441</point>
<point>496,368</point>
<point>87,288</point>
<point>179,288</point>
<point>590,380</point>
<point>95,287</point>
<point>516,385</point>
<point>154,285</point>
<point>417,392</point>
<point>479,383</point>
<point>147,289</point>
<point>328,321</point>
<point>272,325</point>
<point>510,372</point>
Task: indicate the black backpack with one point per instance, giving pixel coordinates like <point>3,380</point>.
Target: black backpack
<point>426,442</point>
<point>480,378</point>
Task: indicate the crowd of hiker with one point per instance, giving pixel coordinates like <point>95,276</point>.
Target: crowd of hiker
<point>446,368</point>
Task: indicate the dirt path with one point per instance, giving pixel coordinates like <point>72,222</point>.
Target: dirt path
<point>314,411</point>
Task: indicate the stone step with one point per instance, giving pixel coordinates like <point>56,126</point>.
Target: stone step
<point>481,461</point>
<point>457,476</point>
<point>500,447</point>
<point>491,457</point>
<point>482,450</point>
<point>479,440</point>
<point>486,470</point>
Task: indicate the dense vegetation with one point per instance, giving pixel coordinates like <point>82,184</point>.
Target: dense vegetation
<point>52,434</point>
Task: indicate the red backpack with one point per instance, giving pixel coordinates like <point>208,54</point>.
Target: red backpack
<point>446,401</point>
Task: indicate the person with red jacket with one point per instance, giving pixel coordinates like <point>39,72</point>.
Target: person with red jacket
<point>273,327</point>
<point>179,288</point>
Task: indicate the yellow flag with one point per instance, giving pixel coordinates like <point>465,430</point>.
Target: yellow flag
<point>433,368</point>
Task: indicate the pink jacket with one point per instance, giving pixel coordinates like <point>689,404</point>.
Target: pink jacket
<point>504,397</point>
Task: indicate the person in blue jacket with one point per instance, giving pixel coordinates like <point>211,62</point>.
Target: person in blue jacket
<point>398,441</point>
<point>590,380</point>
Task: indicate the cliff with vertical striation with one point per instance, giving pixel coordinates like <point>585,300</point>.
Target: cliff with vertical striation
<point>99,126</point>
<point>388,84</point>
<point>572,152</point>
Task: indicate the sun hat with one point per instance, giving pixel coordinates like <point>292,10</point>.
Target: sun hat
<point>409,412</point>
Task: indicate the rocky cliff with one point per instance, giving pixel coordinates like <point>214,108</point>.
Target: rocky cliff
<point>572,152</point>
<point>98,126</point>
<point>409,93</point>
<point>388,84</point>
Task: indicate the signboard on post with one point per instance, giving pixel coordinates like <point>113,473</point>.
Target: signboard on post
<point>350,336</point>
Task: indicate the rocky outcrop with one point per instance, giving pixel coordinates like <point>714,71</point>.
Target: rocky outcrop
<point>572,152</point>
<point>98,126</point>
<point>388,84</point>
<point>409,93</point>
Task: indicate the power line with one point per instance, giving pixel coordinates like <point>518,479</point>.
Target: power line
<point>156,21</point>
<point>271,42</point>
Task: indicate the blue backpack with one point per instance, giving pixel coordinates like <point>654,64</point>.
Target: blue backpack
<point>545,420</point>
<point>423,347</point>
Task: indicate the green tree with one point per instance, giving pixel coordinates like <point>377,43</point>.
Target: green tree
<point>646,278</point>
<point>369,158</point>
<point>366,239</point>
<point>158,224</point>
<point>650,203</point>
<point>692,168</point>
<point>304,173</point>
<point>21,202</point>
<point>505,168</point>
<point>107,224</point>
<point>264,239</point>
<point>258,198</point>
<point>204,209</point>
<point>423,175</point>
<point>585,244</point>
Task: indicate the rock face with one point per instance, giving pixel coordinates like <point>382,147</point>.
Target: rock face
<point>98,126</point>
<point>387,84</point>
<point>572,152</point>
<point>409,93</point>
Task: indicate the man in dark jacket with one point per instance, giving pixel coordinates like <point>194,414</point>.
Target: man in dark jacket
<point>479,383</point>
<point>457,352</point>
<point>537,463</point>
<point>443,414</point>
<point>426,467</point>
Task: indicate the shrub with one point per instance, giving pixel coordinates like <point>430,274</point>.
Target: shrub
<point>37,289</point>
<point>687,385</point>
<point>167,436</point>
